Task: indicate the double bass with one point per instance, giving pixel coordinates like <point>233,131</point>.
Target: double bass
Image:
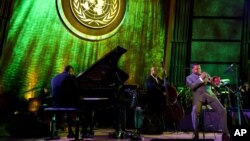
<point>172,102</point>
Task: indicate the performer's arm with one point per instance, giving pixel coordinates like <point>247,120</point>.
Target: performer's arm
<point>194,84</point>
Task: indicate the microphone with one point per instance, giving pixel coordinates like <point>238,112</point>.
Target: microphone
<point>229,68</point>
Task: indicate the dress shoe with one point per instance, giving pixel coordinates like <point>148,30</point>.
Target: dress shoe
<point>225,137</point>
<point>196,136</point>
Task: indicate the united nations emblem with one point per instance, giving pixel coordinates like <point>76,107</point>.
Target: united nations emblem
<point>92,19</point>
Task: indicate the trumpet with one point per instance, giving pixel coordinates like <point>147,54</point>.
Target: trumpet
<point>215,80</point>
<point>205,76</point>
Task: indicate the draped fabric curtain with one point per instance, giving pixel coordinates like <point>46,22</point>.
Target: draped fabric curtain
<point>180,42</point>
<point>245,52</point>
<point>214,34</point>
<point>38,46</point>
<point>5,12</point>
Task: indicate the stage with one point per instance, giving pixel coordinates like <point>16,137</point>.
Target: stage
<point>22,124</point>
<point>104,135</point>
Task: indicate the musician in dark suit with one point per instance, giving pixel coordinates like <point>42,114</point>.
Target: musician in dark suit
<point>64,89</point>
<point>65,94</point>
<point>155,91</point>
<point>197,81</point>
<point>155,99</point>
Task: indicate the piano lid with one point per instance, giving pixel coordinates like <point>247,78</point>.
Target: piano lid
<point>104,71</point>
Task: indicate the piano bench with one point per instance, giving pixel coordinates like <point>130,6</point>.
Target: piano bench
<point>54,111</point>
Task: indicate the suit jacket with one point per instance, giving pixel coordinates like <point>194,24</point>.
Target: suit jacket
<point>155,98</point>
<point>197,86</point>
<point>153,87</point>
<point>65,91</point>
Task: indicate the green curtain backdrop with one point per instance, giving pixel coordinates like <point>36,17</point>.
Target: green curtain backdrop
<point>38,46</point>
<point>216,40</point>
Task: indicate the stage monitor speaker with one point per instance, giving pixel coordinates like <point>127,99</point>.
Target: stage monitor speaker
<point>211,120</point>
<point>244,114</point>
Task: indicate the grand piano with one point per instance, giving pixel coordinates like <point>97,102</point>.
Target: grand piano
<point>100,84</point>
<point>103,77</point>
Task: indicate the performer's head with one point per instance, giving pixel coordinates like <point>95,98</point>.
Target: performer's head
<point>69,69</point>
<point>246,86</point>
<point>153,71</point>
<point>196,68</point>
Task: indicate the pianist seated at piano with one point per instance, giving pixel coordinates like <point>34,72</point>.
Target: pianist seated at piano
<point>65,93</point>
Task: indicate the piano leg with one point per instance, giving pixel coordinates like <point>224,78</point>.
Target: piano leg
<point>92,112</point>
<point>88,123</point>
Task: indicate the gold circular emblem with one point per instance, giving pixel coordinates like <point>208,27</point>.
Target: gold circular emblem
<point>92,19</point>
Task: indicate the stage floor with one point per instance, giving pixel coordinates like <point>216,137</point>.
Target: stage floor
<point>104,135</point>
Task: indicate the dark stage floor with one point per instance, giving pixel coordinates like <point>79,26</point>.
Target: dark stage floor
<point>103,135</point>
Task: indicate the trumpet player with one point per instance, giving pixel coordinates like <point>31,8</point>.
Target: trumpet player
<point>198,82</point>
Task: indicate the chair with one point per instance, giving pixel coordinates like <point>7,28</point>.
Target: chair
<point>54,111</point>
<point>205,108</point>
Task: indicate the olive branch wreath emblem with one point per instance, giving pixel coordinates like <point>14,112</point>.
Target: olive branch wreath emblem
<point>105,21</point>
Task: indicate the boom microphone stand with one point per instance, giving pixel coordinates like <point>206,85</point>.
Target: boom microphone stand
<point>239,106</point>
<point>236,92</point>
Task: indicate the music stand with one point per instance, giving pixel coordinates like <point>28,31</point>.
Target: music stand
<point>120,132</point>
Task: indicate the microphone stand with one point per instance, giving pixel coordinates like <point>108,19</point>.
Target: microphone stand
<point>239,106</point>
<point>229,104</point>
<point>237,94</point>
<point>238,97</point>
